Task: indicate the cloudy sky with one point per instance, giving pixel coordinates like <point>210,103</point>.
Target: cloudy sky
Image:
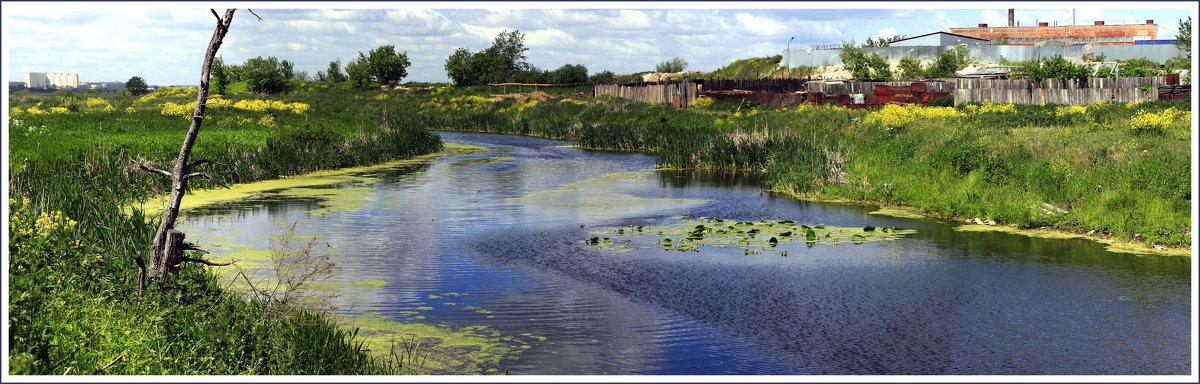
<point>164,42</point>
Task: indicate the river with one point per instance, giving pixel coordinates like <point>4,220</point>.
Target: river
<point>488,243</point>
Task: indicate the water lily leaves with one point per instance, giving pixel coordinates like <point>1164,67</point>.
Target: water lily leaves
<point>694,234</point>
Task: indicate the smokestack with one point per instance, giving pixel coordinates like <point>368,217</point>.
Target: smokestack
<point>1010,17</point>
<point>1072,16</point>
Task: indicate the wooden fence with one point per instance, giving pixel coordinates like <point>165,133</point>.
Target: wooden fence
<point>679,94</point>
<point>1059,91</point>
<point>838,88</point>
<point>781,92</point>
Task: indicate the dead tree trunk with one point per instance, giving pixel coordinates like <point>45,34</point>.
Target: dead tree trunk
<point>166,250</point>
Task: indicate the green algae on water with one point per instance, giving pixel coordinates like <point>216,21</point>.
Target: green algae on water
<point>463,350</point>
<point>322,184</point>
<point>753,237</point>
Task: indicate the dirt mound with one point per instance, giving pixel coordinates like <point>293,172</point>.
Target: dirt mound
<point>521,97</point>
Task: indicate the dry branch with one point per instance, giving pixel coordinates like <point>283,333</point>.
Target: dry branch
<point>205,262</point>
<point>206,176</point>
<point>148,168</point>
<point>114,361</point>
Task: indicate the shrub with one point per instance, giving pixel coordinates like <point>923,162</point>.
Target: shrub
<point>942,101</point>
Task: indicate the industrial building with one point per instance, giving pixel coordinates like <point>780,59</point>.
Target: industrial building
<point>938,39</point>
<point>1045,34</point>
<point>45,80</point>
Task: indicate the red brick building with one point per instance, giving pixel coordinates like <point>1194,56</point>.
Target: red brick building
<point>1098,33</point>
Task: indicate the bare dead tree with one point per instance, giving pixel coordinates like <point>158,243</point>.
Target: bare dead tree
<point>166,250</point>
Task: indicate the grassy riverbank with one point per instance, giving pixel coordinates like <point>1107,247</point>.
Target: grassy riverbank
<point>73,303</point>
<point>1120,170</point>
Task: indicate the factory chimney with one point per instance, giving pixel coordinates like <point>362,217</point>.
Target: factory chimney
<point>1010,17</point>
<point>1072,16</point>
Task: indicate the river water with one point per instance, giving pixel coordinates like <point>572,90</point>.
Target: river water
<point>495,239</point>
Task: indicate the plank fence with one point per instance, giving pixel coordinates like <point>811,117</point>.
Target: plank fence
<point>680,93</point>
<point>783,92</point>
<point>1059,91</point>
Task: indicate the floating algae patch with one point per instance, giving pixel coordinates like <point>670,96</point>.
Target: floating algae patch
<point>320,184</point>
<point>1113,245</point>
<point>448,350</point>
<point>598,198</point>
<point>751,236</point>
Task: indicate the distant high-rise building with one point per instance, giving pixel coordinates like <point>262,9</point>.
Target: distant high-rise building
<point>47,79</point>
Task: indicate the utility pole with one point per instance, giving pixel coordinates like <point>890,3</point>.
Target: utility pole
<point>788,64</point>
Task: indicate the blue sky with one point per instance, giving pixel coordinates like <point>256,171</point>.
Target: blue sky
<point>164,42</point>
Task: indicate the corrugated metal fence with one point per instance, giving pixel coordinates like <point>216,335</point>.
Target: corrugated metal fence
<point>1058,91</point>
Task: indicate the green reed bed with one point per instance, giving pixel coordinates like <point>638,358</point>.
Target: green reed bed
<point>74,306</point>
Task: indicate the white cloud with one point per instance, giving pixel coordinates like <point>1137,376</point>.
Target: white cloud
<point>631,19</point>
<point>548,38</point>
<point>886,33</point>
<point>943,21</point>
<point>759,25</point>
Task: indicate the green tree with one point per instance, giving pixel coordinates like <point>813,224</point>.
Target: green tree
<point>387,66</point>
<point>880,68</point>
<point>334,73</point>
<point>265,75</point>
<point>950,61</point>
<point>1139,67</point>
<point>855,60</point>
<point>674,65</point>
<point>1057,67</point>
<point>1184,38</point>
<point>602,76</point>
<point>136,86</point>
<point>288,69</point>
<point>568,73</point>
<point>529,75</point>
<point>883,41</point>
<point>910,68</point>
<point>510,46</point>
<point>460,68</point>
<point>503,61</point>
<point>359,72</point>
<point>219,75</point>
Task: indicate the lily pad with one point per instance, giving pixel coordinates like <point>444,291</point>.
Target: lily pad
<point>694,234</point>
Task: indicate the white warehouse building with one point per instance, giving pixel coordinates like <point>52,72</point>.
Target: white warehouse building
<point>47,79</point>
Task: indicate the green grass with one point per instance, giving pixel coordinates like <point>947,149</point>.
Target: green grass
<point>74,306</point>
<point>1011,165</point>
